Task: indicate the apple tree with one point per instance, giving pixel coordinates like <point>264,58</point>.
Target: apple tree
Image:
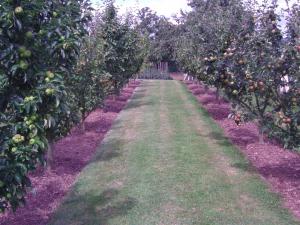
<point>40,41</point>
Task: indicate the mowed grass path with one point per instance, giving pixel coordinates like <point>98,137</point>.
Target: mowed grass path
<point>165,162</point>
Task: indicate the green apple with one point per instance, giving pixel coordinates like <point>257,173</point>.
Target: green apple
<point>32,141</point>
<point>29,35</point>
<point>49,74</point>
<point>235,92</point>
<point>49,91</point>
<point>23,65</point>
<point>19,10</point>
<point>18,138</point>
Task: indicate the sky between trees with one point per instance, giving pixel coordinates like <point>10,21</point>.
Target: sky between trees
<point>162,7</point>
<point>165,7</point>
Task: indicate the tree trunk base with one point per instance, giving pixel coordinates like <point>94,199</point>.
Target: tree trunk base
<point>261,137</point>
<point>218,96</point>
<point>206,88</point>
<point>50,156</point>
<point>82,126</point>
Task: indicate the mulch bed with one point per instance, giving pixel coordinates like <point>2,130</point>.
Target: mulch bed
<point>280,168</point>
<point>71,155</point>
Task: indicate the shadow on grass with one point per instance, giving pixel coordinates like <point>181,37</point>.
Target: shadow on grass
<point>111,150</point>
<point>139,100</point>
<point>244,166</point>
<point>92,208</point>
<point>220,139</point>
<point>107,156</point>
<point>139,103</point>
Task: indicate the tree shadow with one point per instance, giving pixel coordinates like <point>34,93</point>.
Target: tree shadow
<point>219,138</point>
<point>123,98</point>
<point>240,137</point>
<point>114,106</point>
<point>93,208</point>
<point>287,170</point>
<point>198,91</point>
<point>107,156</point>
<point>243,136</point>
<point>226,142</point>
<point>139,100</point>
<point>99,126</point>
<point>218,111</point>
<point>193,87</point>
<point>109,149</point>
<point>244,166</point>
<point>139,103</point>
<point>118,103</point>
<point>207,99</point>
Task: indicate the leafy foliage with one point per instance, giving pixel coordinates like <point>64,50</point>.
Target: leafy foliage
<point>241,50</point>
<point>55,61</point>
<point>159,36</point>
<point>122,47</point>
<point>33,95</point>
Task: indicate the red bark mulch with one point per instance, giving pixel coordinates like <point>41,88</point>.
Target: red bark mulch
<point>280,168</point>
<point>71,154</point>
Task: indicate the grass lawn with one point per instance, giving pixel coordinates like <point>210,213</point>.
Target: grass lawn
<point>165,162</point>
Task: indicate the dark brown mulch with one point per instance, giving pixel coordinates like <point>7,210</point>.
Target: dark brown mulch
<point>72,153</point>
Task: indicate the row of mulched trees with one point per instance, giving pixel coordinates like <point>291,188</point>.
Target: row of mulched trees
<point>252,57</point>
<point>58,62</point>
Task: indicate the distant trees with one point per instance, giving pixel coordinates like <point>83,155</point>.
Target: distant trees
<point>159,36</point>
<point>121,44</point>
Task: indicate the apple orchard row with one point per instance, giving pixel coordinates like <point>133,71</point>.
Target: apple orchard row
<point>58,61</point>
